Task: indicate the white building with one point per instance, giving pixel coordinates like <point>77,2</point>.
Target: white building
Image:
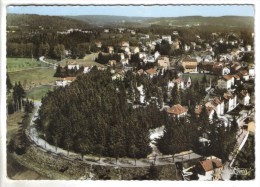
<point>244,98</point>
<point>163,61</point>
<point>248,48</point>
<point>64,81</point>
<point>226,82</point>
<point>230,101</point>
<point>87,69</point>
<point>251,68</point>
<point>73,65</point>
<point>167,38</point>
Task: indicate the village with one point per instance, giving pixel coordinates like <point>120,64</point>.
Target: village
<point>151,99</point>
<point>230,89</point>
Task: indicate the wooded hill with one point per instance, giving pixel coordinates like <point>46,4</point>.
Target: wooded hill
<point>32,21</point>
<point>223,21</point>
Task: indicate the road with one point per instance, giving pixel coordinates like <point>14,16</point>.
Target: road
<point>94,160</point>
<point>42,60</point>
<point>242,136</point>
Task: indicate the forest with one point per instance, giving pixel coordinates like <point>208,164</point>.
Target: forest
<point>95,115</point>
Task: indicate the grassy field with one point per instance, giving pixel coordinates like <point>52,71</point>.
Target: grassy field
<point>38,92</point>
<point>17,64</point>
<point>33,77</point>
<point>196,76</point>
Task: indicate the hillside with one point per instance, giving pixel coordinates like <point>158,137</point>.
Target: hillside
<point>47,22</point>
<point>230,21</point>
<point>227,21</point>
<point>103,20</point>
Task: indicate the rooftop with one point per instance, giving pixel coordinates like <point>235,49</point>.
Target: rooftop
<point>177,109</point>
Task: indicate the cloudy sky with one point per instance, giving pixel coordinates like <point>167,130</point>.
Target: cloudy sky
<point>144,11</point>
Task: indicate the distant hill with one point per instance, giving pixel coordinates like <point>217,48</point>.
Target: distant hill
<point>48,22</point>
<point>227,21</point>
<point>86,21</point>
<point>101,20</point>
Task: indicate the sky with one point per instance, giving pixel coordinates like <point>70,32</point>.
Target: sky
<point>142,11</point>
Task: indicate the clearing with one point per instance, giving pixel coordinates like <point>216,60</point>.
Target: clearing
<point>18,64</point>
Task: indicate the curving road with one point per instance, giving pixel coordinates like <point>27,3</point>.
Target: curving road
<point>125,162</point>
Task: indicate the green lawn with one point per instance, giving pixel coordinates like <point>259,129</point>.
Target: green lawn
<point>34,77</point>
<point>38,92</point>
<point>17,64</point>
<point>197,76</point>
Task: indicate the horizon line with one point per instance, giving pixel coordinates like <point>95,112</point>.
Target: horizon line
<point>133,16</point>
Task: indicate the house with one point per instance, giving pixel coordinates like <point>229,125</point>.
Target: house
<point>177,111</point>
<point>118,75</point>
<point>110,49</point>
<point>133,32</point>
<point>235,67</point>
<point>219,69</point>
<point>141,92</point>
<point>187,82</point>
<point>176,44</point>
<point>251,69</point>
<point>186,48</point>
<point>64,81</point>
<point>209,108</point>
<point>151,72</point>
<point>230,101</point>
<point>98,44</point>
<point>244,98</point>
<point>106,30</point>
<point>193,45</point>
<point>72,65</point>
<point>226,82</point>
<point>167,38</point>
<point>125,49</point>
<point>225,71</point>
<point>163,61</point>
<point>87,69</point>
<point>156,55</point>
<point>142,55</point>
<point>121,30</point>
<point>248,48</point>
<point>124,44</point>
<point>124,62</point>
<point>112,62</point>
<point>176,33</point>
<point>251,128</point>
<point>134,49</point>
<point>170,85</point>
<point>209,48</point>
<point>243,74</point>
<point>210,169</point>
<point>219,105</point>
<point>208,58</point>
<point>179,82</point>
<point>150,59</point>
<point>190,65</point>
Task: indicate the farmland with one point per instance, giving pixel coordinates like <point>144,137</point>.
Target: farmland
<point>33,77</point>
